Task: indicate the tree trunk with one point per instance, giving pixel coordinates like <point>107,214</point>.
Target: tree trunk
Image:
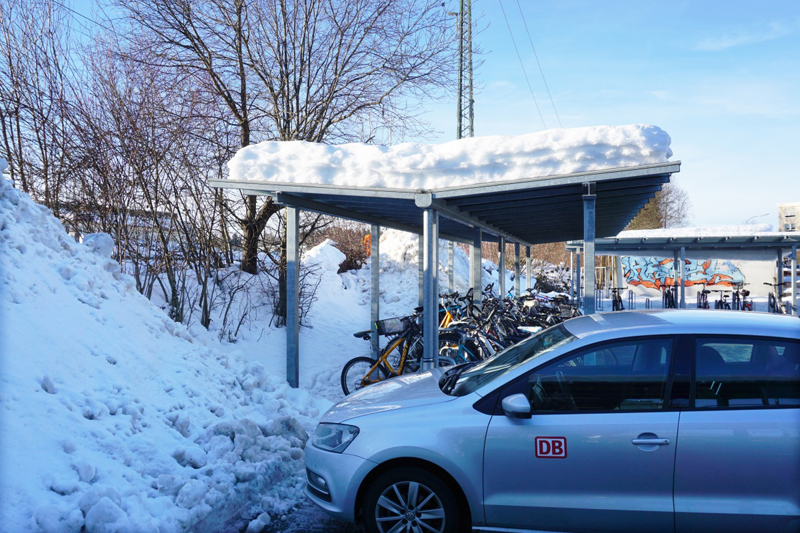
<point>254,224</point>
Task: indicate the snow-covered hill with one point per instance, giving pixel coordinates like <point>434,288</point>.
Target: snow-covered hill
<point>112,416</point>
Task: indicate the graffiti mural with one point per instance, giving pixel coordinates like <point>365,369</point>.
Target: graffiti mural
<point>655,273</point>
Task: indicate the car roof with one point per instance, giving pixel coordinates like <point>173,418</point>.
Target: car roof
<point>686,321</point>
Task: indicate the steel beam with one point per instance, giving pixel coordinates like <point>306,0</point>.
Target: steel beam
<point>375,286</point>
<point>683,277</point>
<point>676,269</point>
<point>421,270</point>
<point>451,271</point>
<point>578,281</point>
<point>795,296</point>
<point>538,208</point>
<point>430,317</point>
<point>588,246</point>
<point>475,267</point>
<point>455,213</point>
<point>572,277</point>
<point>293,296</point>
<point>779,277</point>
<point>528,282</point>
<point>516,270</point>
<point>566,179</point>
<point>501,270</point>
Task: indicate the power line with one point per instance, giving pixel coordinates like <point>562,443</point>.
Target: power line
<point>521,64</point>
<point>540,65</point>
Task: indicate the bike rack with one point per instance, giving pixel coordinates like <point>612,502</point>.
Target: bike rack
<point>598,298</point>
<point>631,300</point>
<point>647,304</point>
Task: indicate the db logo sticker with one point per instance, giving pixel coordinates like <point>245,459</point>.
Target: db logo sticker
<point>551,447</point>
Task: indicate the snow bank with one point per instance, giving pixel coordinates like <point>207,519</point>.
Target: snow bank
<point>115,418</point>
<point>462,162</point>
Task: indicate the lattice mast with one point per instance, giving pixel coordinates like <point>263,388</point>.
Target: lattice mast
<point>466,104</point>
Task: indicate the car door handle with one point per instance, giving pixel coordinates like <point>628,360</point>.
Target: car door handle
<point>650,442</point>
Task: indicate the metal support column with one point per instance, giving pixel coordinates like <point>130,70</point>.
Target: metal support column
<point>430,319</point>
<point>475,267</point>
<point>779,278</point>
<point>516,269</point>
<point>683,277</point>
<point>293,296</point>
<point>578,278</point>
<point>618,271</point>
<point>572,277</point>
<point>528,281</point>
<point>451,271</point>
<point>795,298</point>
<point>589,200</point>
<point>676,267</point>
<point>421,274</point>
<point>501,268</point>
<point>375,285</point>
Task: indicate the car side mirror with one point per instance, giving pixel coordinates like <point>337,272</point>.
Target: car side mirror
<point>516,406</point>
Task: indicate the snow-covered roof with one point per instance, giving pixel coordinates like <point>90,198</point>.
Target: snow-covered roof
<point>463,162</point>
<point>527,189</point>
<point>752,241</point>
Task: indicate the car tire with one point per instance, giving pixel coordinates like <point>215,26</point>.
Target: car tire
<point>388,502</point>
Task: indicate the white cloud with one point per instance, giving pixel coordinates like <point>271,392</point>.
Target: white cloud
<point>766,32</point>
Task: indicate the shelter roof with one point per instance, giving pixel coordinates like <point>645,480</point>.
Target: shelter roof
<point>527,211</point>
<point>756,246</point>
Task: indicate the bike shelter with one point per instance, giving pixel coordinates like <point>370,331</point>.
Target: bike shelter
<point>524,212</point>
<point>758,246</point>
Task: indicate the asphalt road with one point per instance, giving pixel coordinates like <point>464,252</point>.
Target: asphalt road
<point>308,518</point>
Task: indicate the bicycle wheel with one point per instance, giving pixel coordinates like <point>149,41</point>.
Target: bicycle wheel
<point>356,374</point>
<point>772,306</point>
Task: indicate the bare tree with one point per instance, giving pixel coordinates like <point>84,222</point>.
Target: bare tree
<point>668,209</point>
<point>314,70</point>
<point>34,57</point>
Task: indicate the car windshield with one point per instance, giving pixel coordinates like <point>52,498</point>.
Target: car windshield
<point>487,371</point>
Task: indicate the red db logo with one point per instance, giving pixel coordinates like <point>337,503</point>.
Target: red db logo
<point>551,447</point>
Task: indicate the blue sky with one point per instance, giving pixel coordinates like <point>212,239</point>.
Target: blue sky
<point>722,78</point>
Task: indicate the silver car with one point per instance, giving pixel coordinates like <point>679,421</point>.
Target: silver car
<point>670,421</point>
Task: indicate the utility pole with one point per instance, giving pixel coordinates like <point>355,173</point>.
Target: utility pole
<point>466,111</point>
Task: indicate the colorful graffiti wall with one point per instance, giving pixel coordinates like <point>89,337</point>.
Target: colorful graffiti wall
<point>656,273</point>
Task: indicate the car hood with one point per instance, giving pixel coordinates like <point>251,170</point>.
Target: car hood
<point>411,390</point>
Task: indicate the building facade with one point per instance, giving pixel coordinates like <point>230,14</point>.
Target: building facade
<point>788,215</point>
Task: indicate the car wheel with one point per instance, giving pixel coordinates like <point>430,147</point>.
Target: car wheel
<point>410,499</point>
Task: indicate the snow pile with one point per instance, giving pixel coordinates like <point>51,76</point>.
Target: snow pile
<point>461,162</point>
<point>115,418</point>
<point>712,231</point>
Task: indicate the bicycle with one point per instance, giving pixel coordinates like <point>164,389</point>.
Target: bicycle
<point>669,297</point>
<point>702,298</point>
<point>723,302</point>
<point>774,302</point>
<point>739,300</point>
<point>616,299</point>
<point>393,360</point>
<point>401,355</point>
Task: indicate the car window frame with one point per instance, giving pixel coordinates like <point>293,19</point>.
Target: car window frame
<point>691,345</point>
<point>492,402</point>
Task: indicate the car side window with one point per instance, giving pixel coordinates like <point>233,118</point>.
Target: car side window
<point>620,376</point>
<point>741,372</point>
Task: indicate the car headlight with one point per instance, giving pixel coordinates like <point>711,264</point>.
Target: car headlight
<point>334,437</point>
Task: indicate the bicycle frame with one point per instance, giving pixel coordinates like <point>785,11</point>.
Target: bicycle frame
<point>384,359</point>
